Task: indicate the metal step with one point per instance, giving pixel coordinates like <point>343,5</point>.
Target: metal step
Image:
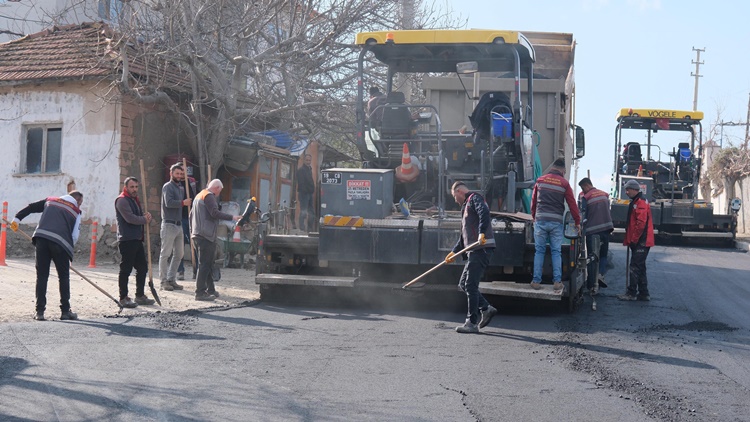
<point>510,288</point>
<point>305,280</point>
<point>715,235</point>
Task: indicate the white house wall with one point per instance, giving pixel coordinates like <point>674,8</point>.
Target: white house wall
<point>90,148</point>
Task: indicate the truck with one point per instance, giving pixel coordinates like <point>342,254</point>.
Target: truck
<point>661,149</point>
<point>393,219</point>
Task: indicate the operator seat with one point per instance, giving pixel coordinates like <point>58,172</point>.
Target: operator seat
<point>481,115</point>
<point>684,161</point>
<point>397,122</point>
<point>632,157</point>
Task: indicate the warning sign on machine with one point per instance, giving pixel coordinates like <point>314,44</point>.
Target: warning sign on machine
<point>357,189</point>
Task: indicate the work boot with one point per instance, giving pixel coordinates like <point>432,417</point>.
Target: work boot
<point>68,315</point>
<point>175,285</point>
<point>467,328</point>
<point>214,293</point>
<point>144,300</point>
<point>594,290</point>
<point>536,285</point>
<point>557,286</point>
<point>39,316</point>
<point>181,276</point>
<point>487,315</point>
<point>204,297</point>
<point>645,298</point>
<point>626,297</point>
<point>165,285</point>
<point>127,302</point>
<point>600,281</point>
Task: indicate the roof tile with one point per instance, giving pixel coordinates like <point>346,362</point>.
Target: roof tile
<point>75,52</point>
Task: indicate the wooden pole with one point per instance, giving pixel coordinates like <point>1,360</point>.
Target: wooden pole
<point>459,253</point>
<point>190,205</point>
<point>148,237</point>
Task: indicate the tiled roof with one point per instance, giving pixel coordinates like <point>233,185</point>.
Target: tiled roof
<point>76,52</point>
<point>58,53</point>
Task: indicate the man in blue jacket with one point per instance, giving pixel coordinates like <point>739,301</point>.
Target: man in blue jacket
<point>476,226</point>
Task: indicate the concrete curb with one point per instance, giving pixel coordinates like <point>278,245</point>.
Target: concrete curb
<point>743,244</point>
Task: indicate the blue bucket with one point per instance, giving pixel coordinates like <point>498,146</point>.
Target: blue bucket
<point>502,125</point>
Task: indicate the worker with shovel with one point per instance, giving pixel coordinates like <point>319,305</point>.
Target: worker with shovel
<point>54,238</point>
<point>476,226</point>
<point>130,223</point>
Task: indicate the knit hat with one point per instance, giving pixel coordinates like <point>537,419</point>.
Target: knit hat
<point>632,184</point>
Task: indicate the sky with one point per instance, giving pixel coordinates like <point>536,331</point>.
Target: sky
<point>637,54</point>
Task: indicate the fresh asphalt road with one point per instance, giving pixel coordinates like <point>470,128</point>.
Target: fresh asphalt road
<point>682,356</point>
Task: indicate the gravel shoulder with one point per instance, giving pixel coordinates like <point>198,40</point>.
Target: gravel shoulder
<point>17,296</point>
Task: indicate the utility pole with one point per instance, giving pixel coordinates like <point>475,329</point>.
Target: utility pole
<point>697,75</point>
<point>747,123</point>
<point>408,13</point>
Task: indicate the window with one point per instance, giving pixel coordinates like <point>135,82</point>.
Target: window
<point>241,191</point>
<point>265,165</point>
<point>285,170</point>
<point>43,148</point>
<point>109,10</point>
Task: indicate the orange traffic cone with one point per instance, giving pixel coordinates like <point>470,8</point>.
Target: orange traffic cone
<point>406,172</point>
<point>236,236</point>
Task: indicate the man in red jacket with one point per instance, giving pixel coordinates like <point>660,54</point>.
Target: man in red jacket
<point>639,237</point>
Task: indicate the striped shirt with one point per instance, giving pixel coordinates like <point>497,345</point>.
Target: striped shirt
<point>551,191</point>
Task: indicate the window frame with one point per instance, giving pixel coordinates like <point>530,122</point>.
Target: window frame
<point>25,147</point>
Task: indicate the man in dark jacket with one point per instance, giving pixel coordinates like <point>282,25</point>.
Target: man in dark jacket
<point>305,190</point>
<point>548,199</point>
<point>597,225</point>
<point>476,226</point>
<point>639,237</point>
<point>130,222</point>
<point>54,238</point>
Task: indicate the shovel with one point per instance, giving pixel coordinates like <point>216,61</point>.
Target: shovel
<point>148,239</point>
<point>462,251</point>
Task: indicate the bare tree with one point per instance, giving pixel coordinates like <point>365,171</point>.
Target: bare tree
<point>255,65</point>
<point>729,166</point>
<point>247,65</point>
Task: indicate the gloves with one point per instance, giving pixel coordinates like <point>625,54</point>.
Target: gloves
<point>14,224</point>
<point>482,240</point>
<point>450,258</point>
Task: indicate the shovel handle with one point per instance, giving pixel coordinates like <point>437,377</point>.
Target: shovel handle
<point>462,251</point>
